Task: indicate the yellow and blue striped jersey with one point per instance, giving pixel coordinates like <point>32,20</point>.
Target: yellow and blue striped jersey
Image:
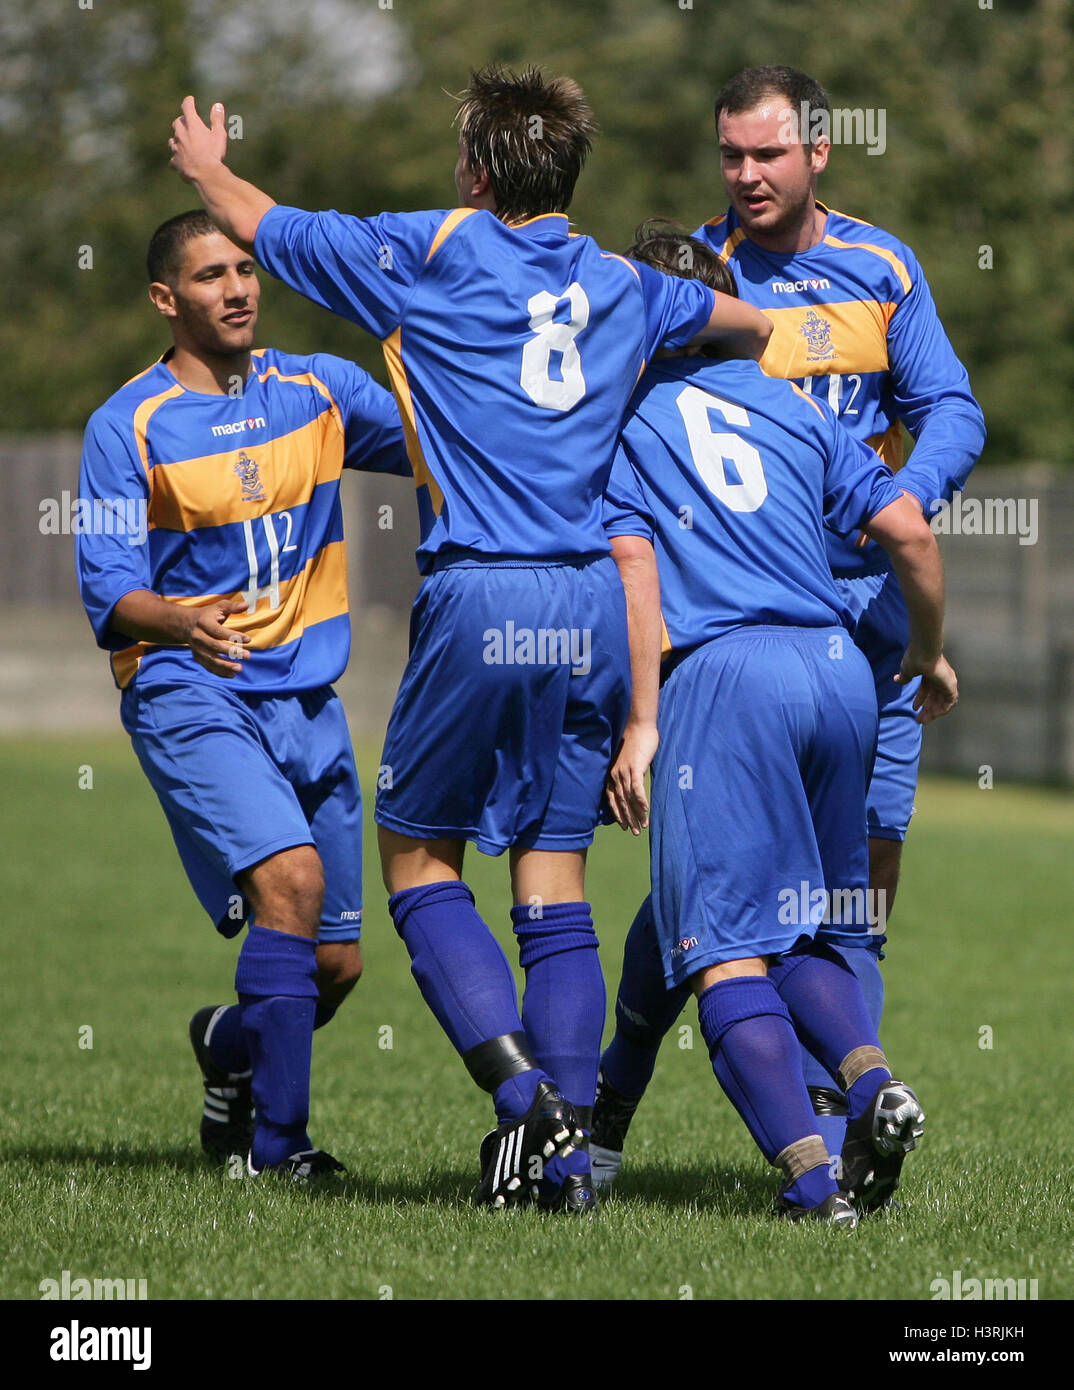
<point>512,353</point>
<point>237,497</point>
<point>854,322</point>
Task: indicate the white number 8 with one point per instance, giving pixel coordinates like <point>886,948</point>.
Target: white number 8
<point>554,337</point>
<point>710,449</point>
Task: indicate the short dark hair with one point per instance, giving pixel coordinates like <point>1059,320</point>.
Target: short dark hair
<point>529,133</point>
<point>666,246</point>
<point>749,88</point>
<point>165,254</point>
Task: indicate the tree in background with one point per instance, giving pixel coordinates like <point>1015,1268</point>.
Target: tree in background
<point>342,104</point>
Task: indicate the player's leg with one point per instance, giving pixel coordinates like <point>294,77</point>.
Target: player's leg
<point>821,990</point>
<point>732,841</point>
<point>276,981</point>
<point>881,634</point>
<point>565,998</point>
<point>245,844</point>
<point>455,770</point>
<point>645,1011</point>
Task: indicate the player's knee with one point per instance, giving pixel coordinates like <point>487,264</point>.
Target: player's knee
<point>287,890</point>
<point>339,968</point>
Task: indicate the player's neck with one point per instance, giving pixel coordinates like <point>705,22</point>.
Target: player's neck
<point>802,234</point>
<point>210,374</point>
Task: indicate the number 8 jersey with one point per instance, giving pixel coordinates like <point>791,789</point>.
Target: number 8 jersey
<point>201,497</point>
<point>512,353</point>
<point>735,478</point>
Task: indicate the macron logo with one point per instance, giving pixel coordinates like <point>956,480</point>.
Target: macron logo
<point>252,422</point>
<point>797,286</point>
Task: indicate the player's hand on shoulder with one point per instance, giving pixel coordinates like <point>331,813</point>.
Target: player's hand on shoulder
<point>938,693</point>
<point>626,781</point>
<point>217,647</point>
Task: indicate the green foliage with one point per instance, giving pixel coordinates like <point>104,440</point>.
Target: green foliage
<point>348,109</point>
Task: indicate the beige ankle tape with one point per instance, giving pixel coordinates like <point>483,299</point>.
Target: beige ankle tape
<point>801,1156</point>
<point>857,1063</point>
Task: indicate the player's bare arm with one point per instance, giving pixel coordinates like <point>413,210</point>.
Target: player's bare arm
<point>198,152</point>
<point>904,533</point>
<point>636,560</point>
<point>146,617</point>
<point>737,327</point>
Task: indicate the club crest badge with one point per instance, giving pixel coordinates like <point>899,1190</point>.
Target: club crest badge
<point>250,477</point>
<point>818,334</point>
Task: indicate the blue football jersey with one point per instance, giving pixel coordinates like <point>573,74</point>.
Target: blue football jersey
<point>512,353</point>
<point>735,477</point>
<point>238,498</point>
<point>854,322</point>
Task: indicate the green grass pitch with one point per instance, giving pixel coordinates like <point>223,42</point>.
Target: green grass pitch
<point>101,1173</point>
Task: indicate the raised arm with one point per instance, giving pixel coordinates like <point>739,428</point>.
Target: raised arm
<point>198,152</point>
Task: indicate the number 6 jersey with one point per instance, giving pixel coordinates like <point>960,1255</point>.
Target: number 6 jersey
<point>735,478</point>
<point>202,497</point>
<point>512,353</point>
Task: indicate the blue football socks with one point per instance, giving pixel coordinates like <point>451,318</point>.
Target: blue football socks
<point>464,977</point>
<point>828,1007</point>
<point>276,981</point>
<point>755,1056</point>
<point>563,1008</point>
<point>645,1009</point>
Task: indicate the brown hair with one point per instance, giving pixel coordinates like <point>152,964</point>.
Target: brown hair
<point>530,135</point>
<point>668,247</point>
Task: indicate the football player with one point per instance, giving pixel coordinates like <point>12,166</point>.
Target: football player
<point>226,620</point>
<point>512,346</point>
<point>767,728</point>
<point>854,324</point>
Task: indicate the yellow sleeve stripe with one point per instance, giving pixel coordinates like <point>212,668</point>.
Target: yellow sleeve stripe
<point>806,397</point>
<point>305,379</point>
<point>450,222</point>
<point>393,359</point>
<point>141,420</point>
<point>611,256</point>
<point>881,251</point>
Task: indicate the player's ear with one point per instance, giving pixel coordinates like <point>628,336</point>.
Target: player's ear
<point>818,155</point>
<point>163,298</point>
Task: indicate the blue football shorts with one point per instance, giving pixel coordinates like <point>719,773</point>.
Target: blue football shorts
<point>767,737</point>
<point>241,777</point>
<point>511,706</point>
<point>877,605</point>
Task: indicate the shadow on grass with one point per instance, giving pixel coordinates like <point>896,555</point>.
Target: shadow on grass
<point>448,1185</point>
<point>730,1190</point>
<point>715,1187</point>
<point>178,1159</point>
